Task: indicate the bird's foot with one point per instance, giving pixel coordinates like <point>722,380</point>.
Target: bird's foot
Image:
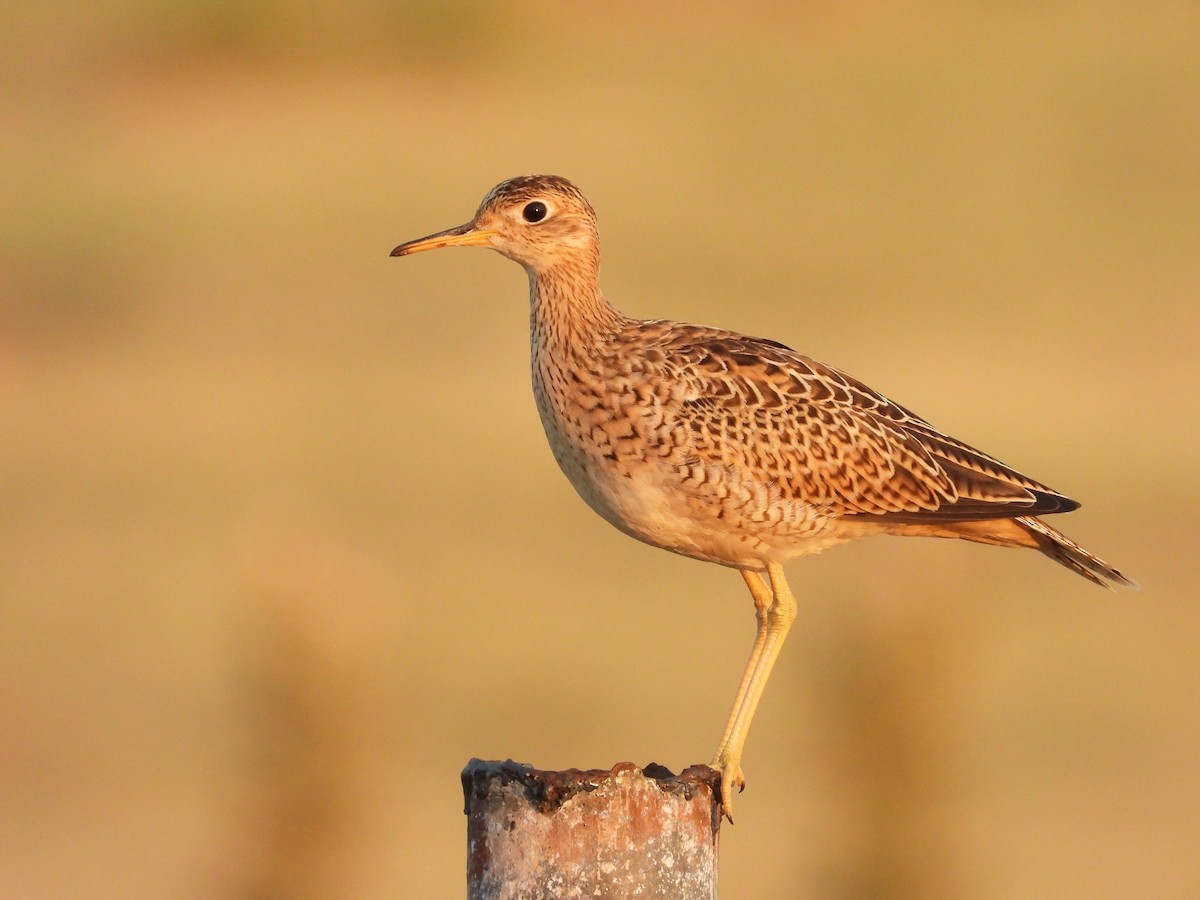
<point>731,779</point>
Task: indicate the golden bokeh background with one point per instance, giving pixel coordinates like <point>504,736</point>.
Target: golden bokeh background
<point>282,544</point>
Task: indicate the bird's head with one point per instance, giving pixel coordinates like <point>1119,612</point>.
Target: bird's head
<point>540,221</point>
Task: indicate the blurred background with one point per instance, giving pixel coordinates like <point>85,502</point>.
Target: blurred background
<point>281,543</point>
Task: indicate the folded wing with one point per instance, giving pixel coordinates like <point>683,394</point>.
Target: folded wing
<point>819,436</point>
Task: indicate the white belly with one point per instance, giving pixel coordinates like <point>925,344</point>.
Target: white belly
<point>714,519</point>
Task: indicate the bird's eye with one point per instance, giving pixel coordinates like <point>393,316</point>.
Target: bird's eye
<point>535,211</point>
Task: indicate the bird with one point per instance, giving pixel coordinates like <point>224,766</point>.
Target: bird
<point>733,449</point>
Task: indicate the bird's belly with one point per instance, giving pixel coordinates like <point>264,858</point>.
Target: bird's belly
<point>717,520</point>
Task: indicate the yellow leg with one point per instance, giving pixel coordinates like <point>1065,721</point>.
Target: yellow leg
<point>763,599</point>
<point>776,611</point>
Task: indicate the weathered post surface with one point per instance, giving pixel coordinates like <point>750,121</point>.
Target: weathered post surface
<point>627,832</point>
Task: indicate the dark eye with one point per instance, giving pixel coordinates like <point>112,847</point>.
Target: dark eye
<point>535,211</point>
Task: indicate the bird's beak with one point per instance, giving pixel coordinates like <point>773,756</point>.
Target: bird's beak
<point>462,236</point>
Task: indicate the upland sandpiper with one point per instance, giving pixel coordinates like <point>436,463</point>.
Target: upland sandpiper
<point>734,449</point>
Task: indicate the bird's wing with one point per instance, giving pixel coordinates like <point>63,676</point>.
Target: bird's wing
<point>818,436</point>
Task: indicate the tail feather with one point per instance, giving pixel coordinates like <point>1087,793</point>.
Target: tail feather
<point>1065,551</point>
<point>1025,531</point>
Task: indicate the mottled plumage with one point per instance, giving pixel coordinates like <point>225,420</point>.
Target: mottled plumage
<point>732,449</point>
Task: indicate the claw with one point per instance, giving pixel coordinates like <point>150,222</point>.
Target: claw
<point>731,777</point>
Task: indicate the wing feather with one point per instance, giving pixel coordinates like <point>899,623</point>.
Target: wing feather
<point>817,435</point>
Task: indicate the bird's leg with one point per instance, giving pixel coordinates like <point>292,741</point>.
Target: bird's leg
<point>763,598</point>
<point>775,608</point>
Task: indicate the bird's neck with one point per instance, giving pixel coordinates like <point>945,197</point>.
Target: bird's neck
<point>568,312</point>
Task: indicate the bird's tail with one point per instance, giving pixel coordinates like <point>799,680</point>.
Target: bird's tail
<point>1066,552</point>
<point>1027,531</point>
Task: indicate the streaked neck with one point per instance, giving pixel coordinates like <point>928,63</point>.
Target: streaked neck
<point>567,307</point>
